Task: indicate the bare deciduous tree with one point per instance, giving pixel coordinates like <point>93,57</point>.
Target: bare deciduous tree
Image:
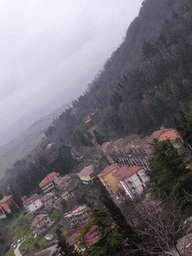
<point>162,227</point>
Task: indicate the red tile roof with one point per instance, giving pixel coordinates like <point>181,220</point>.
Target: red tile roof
<point>92,236</point>
<point>37,219</point>
<point>31,199</point>
<point>161,134</point>
<point>108,169</point>
<point>71,232</point>
<point>125,172</point>
<point>5,199</point>
<point>168,134</point>
<point>49,146</point>
<point>48,178</point>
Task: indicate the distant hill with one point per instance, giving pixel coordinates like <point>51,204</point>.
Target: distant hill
<point>22,145</point>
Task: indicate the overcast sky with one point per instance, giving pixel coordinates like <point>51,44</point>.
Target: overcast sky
<point>51,49</point>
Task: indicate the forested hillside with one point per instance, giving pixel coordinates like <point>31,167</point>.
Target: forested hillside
<point>130,92</point>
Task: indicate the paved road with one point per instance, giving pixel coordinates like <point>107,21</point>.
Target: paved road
<point>51,248</point>
<point>16,251</point>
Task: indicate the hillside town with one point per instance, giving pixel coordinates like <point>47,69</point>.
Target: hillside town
<point>125,177</point>
<point>111,172</point>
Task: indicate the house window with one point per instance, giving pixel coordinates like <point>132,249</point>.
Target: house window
<point>35,206</point>
<point>139,177</point>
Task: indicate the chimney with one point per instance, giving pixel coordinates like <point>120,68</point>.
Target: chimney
<point>162,128</point>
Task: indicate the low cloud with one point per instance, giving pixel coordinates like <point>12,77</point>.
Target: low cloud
<point>53,47</point>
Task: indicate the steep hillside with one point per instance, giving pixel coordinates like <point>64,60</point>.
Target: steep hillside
<point>129,57</point>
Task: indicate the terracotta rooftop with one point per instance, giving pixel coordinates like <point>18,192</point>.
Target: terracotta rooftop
<point>108,169</point>
<point>31,199</point>
<point>5,199</point>
<point>161,134</point>
<point>71,232</point>
<point>92,236</point>
<point>49,146</point>
<point>37,219</point>
<point>48,178</point>
<point>125,172</point>
<point>168,134</point>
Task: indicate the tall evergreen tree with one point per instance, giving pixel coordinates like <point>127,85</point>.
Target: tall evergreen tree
<point>109,239</point>
<point>169,174</point>
<point>116,236</point>
<point>184,127</point>
<point>129,234</point>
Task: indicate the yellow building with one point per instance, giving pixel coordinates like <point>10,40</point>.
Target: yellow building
<point>108,179</point>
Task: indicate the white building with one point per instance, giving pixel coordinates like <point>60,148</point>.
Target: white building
<point>132,180</point>
<point>33,203</point>
<point>88,173</point>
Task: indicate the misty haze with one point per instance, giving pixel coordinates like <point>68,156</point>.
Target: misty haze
<point>96,124</point>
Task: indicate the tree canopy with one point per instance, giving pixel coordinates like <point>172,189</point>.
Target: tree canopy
<point>169,174</point>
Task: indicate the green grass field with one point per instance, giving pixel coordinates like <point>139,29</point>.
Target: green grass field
<point>10,252</point>
<point>26,244</point>
<point>55,215</point>
<point>20,225</point>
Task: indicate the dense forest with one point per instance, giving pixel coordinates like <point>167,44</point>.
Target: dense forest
<point>145,81</point>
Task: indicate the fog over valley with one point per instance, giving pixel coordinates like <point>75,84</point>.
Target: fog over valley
<point>50,51</point>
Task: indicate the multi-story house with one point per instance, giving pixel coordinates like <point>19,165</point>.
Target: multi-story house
<point>78,216</point>
<point>6,202</point>
<point>33,203</point>
<point>132,179</point>
<point>163,134</point>
<point>88,173</point>
<point>107,178</point>
<point>40,223</point>
<point>48,183</point>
